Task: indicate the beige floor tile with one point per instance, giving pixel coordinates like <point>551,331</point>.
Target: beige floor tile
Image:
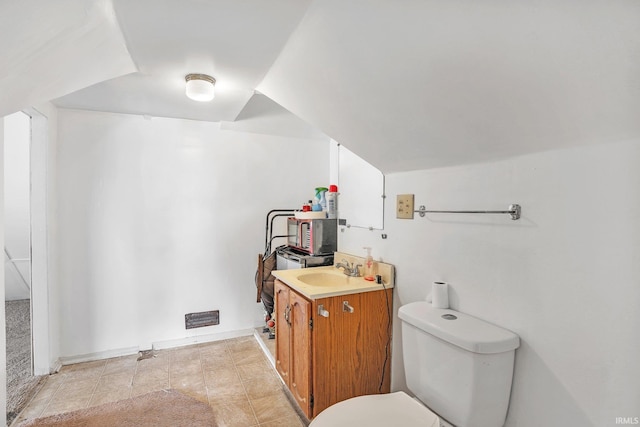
<point>220,393</point>
<point>185,353</point>
<point>240,340</point>
<point>150,376</point>
<point>33,410</point>
<point>41,402</point>
<point>248,356</point>
<point>157,362</point>
<point>79,384</point>
<point>114,382</point>
<point>100,398</point>
<point>125,364</point>
<point>272,407</point>
<point>222,373</point>
<point>221,377</point>
<point>80,375</point>
<point>72,393</point>
<point>289,421</point>
<point>262,387</point>
<point>187,381</point>
<point>47,390</point>
<point>255,370</point>
<point>54,380</point>
<point>130,370</point>
<point>84,366</point>
<point>242,344</point>
<point>145,388</point>
<point>82,370</point>
<point>155,384</point>
<point>234,413</point>
<point>214,346</point>
<point>215,361</point>
<point>66,405</point>
<point>185,367</point>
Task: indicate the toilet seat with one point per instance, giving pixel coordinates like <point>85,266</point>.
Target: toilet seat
<point>383,410</point>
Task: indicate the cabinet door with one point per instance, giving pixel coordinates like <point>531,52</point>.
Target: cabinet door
<point>300,382</point>
<point>351,348</point>
<point>283,340</point>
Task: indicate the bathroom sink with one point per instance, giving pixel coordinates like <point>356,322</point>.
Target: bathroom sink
<point>325,279</point>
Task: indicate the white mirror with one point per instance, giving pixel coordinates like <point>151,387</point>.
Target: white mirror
<point>361,188</point>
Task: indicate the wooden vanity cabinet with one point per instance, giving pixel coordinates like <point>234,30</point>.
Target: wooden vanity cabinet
<point>293,343</point>
<point>326,359</point>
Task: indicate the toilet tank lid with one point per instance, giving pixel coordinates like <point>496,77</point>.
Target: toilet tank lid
<point>465,331</point>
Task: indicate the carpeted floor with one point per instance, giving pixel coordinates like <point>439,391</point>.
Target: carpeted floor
<point>165,408</point>
<point>21,385</point>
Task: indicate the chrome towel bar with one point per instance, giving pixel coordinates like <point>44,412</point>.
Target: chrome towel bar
<point>514,210</point>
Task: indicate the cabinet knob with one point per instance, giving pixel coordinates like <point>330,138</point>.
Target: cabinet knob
<point>346,307</point>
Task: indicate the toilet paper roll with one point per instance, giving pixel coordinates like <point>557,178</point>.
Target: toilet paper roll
<point>440,295</point>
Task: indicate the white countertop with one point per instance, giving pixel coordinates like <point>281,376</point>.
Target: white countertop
<point>347,285</point>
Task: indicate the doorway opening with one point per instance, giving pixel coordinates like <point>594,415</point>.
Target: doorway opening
<point>21,382</point>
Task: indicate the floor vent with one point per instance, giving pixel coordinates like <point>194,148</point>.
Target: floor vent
<point>202,319</point>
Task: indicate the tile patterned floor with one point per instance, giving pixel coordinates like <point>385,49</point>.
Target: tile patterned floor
<point>233,376</point>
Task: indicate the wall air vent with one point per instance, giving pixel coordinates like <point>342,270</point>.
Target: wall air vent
<point>202,319</point>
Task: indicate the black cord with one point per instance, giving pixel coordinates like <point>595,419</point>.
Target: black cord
<point>386,348</point>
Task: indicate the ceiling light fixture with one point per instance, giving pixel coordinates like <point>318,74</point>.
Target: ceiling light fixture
<point>200,87</point>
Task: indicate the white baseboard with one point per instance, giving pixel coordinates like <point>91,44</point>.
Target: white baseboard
<point>159,345</point>
<point>162,345</point>
<point>55,366</point>
<point>265,350</point>
<point>100,355</point>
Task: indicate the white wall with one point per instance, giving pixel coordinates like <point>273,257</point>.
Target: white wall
<point>17,142</point>
<point>564,277</point>
<point>163,217</point>
<point>44,301</point>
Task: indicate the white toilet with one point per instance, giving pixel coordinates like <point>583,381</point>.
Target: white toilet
<point>459,366</point>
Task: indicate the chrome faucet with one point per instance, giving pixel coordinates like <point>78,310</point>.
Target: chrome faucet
<point>349,269</point>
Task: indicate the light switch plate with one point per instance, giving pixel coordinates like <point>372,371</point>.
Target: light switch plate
<point>404,206</point>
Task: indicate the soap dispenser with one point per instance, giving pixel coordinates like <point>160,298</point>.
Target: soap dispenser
<point>369,266</point>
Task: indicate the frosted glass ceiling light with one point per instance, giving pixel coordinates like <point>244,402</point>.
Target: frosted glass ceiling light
<point>200,87</point>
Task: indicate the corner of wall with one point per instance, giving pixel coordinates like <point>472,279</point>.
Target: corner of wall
<point>3,344</point>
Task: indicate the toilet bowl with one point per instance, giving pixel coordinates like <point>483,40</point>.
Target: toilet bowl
<point>377,410</point>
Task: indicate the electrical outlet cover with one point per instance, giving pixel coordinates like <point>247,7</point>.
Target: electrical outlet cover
<point>404,206</point>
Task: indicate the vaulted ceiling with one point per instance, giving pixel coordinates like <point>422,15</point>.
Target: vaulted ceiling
<point>234,41</point>
<point>406,85</point>
<point>421,84</point>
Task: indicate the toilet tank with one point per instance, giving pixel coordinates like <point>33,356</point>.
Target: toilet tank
<point>459,366</point>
